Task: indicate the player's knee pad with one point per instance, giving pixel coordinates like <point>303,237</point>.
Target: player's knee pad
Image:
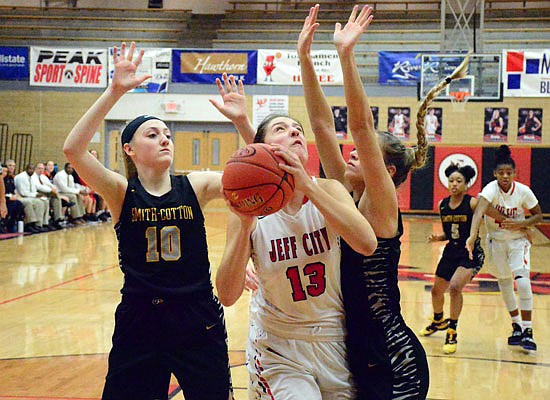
<point>525,293</point>
<point>506,287</point>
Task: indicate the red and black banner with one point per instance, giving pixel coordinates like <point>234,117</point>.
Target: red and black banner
<point>425,187</point>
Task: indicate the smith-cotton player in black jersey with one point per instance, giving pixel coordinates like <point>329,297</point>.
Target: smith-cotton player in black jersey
<point>387,360</point>
<point>169,321</point>
<point>455,269</point>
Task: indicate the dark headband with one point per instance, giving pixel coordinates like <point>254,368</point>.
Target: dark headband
<point>132,127</point>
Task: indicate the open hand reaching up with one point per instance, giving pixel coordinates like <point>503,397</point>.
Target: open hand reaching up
<point>347,38</point>
<point>233,96</point>
<point>306,35</point>
<point>124,77</point>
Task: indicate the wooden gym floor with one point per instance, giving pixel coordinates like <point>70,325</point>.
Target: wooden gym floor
<point>59,290</point>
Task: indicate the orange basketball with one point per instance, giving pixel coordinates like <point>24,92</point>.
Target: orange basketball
<point>253,182</point>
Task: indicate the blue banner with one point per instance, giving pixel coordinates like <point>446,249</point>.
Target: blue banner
<point>204,66</point>
<point>14,63</point>
<point>399,68</point>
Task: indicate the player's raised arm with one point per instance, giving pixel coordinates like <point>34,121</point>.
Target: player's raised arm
<point>318,109</point>
<point>106,182</point>
<point>234,105</point>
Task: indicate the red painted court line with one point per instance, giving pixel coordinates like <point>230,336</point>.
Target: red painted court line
<point>55,286</point>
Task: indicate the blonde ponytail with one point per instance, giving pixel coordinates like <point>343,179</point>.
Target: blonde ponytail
<point>421,148</point>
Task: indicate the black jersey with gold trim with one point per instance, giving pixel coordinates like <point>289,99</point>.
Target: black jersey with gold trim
<point>162,241</point>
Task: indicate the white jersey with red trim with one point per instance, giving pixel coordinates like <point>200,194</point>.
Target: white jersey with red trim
<point>297,259</point>
<point>512,204</point>
<point>431,124</point>
<point>398,124</point>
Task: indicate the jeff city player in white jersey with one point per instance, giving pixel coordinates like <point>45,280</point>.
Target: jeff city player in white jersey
<point>296,347</point>
<point>507,242</point>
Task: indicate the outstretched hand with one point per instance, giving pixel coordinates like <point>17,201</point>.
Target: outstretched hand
<point>306,35</point>
<point>470,242</point>
<point>124,77</point>
<point>234,99</point>
<point>348,37</point>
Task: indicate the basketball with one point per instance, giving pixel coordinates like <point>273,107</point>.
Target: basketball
<point>254,184</point>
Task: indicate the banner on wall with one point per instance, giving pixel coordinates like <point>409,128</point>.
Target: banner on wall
<point>14,63</point>
<point>445,156</point>
<point>281,67</point>
<point>68,67</point>
<point>262,106</point>
<point>340,116</point>
<point>433,124</point>
<point>204,66</point>
<point>399,122</point>
<point>526,73</point>
<point>529,125</point>
<point>495,124</point>
<point>399,68</point>
<point>155,62</point>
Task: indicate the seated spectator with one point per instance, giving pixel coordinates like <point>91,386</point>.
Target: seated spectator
<point>37,208</point>
<point>102,210</point>
<point>50,170</point>
<point>47,189</point>
<point>15,207</point>
<point>64,181</point>
<point>3,206</point>
<point>87,198</point>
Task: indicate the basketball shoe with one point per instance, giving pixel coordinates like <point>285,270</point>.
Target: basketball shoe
<point>450,342</point>
<point>439,325</point>
<point>527,341</point>
<point>517,335</point>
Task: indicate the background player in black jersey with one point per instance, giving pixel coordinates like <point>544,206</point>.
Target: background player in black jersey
<point>168,321</point>
<point>455,269</point>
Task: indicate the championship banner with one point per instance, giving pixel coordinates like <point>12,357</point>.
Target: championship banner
<point>14,63</point>
<point>526,73</point>
<point>262,106</point>
<point>204,66</point>
<point>281,67</point>
<point>399,68</point>
<point>69,67</point>
<point>155,62</point>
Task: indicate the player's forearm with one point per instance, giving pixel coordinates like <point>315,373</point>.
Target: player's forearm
<point>359,113</point>
<point>245,128</point>
<point>230,277</point>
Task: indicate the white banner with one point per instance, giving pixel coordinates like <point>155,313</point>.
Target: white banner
<point>155,62</point>
<point>262,106</point>
<point>71,67</point>
<point>526,73</point>
<point>281,67</point>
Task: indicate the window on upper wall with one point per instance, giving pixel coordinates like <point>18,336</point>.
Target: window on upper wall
<point>215,151</point>
<point>196,151</point>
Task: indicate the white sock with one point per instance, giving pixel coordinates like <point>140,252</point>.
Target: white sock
<point>526,324</point>
<point>517,319</point>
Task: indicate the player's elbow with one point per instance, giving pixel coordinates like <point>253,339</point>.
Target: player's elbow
<point>366,247</point>
<point>226,294</point>
<point>70,152</point>
<point>226,299</point>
